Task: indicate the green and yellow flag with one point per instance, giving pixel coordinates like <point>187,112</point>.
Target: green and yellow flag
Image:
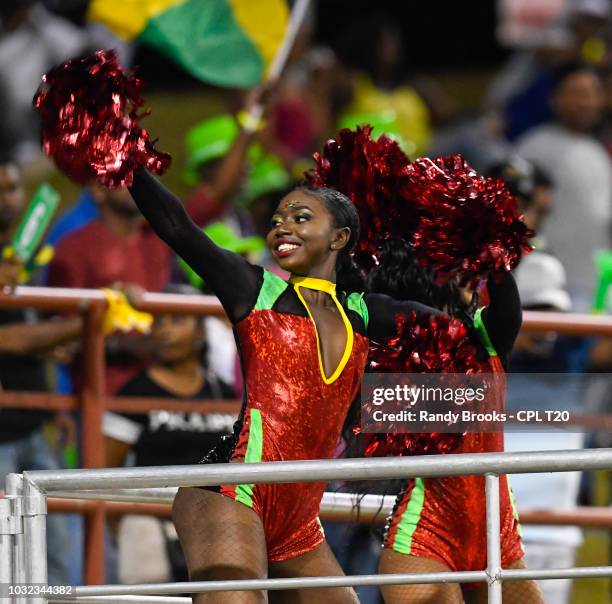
<point>226,42</point>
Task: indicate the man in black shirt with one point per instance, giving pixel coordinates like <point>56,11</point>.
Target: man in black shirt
<point>23,341</point>
<point>164,437</point>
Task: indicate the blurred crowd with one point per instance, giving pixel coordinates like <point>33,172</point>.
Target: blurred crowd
<point>544,126</point>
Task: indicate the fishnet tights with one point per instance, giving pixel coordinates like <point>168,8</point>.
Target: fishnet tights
<point>221,539</point>
<point>319,562</point>
<point>513,592</point>
<point>392,562</point>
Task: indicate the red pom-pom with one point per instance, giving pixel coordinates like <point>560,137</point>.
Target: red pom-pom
<point>89,122</point>
<point>428,344</point>
<point>468,224</point>
<point>370,173</point>
<point>456,220</point>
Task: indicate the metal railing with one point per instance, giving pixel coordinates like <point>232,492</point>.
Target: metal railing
<point>92,402</point>
<point>335,507</point>
<point>23,539</point>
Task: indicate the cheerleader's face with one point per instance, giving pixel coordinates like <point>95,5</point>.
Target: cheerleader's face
<point>303,239</point>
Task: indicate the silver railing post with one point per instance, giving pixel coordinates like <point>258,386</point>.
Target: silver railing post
<point>6,548</point>
<point>493,539</point>
<point>35,533</point>
<point>14,493</point>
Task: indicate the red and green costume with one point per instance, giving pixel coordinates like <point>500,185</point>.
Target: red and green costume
<point>292,409</point>
<point>444,519</point>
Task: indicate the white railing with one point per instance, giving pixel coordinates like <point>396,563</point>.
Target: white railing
<point>23,515</point>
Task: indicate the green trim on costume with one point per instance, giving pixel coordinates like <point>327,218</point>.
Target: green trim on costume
<point>410,518</point>
<point>482,332</point>
<point>244,492</point>
<point>356,303</point>
<point>273,286</point>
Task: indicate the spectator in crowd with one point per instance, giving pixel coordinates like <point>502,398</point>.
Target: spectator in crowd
<point>312,92</point>
<point>521,90</point>
<point>605,131</point>
<point>10,268</point>
<point>127,255</point>
<point>380,81</point>
<point>580,168</point>
<point>314,88</point>
<point>217,159</point>
<point>164,437</point>
<point>25,342</point>
<point>531,187</point>
<point>543,376</point>
<point>32,40</point>
<point>479,138</point>
<point>22,335</point>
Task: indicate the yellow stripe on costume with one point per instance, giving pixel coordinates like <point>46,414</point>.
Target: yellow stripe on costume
<point>127,18</point>
<point>264,22</point>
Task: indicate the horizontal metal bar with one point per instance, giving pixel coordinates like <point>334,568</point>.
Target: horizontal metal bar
<point>331,502</point>
<point>38,400</point>
<point>52,298</point>
<point>566,323</point>
<point>67,299</point>
<point>334,506</point>
<point>56,402</point>
<point>277,584</point>
<point>319,470</point>
<point>586,572</point>
<point>110,508</point>
<point>155,495</point>
<point>342,581</point>
<point>129,404</point>
<point>370,509</point>
<point>131,599</point>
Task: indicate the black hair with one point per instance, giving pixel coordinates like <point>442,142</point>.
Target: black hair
<point>7,158</point>
<point>349,277</point>
<point>188,290</point>
<point>400,276</point>
<point>568,69</point>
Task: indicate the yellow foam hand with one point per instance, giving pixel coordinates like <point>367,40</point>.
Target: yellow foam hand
<point>121,316</point>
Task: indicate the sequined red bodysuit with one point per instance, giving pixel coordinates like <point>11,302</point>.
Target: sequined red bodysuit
<point>290,413</point>
<point>444,519</point>
<point>291,409</point>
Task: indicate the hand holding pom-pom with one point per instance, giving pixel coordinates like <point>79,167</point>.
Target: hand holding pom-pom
<point>89,122</point>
